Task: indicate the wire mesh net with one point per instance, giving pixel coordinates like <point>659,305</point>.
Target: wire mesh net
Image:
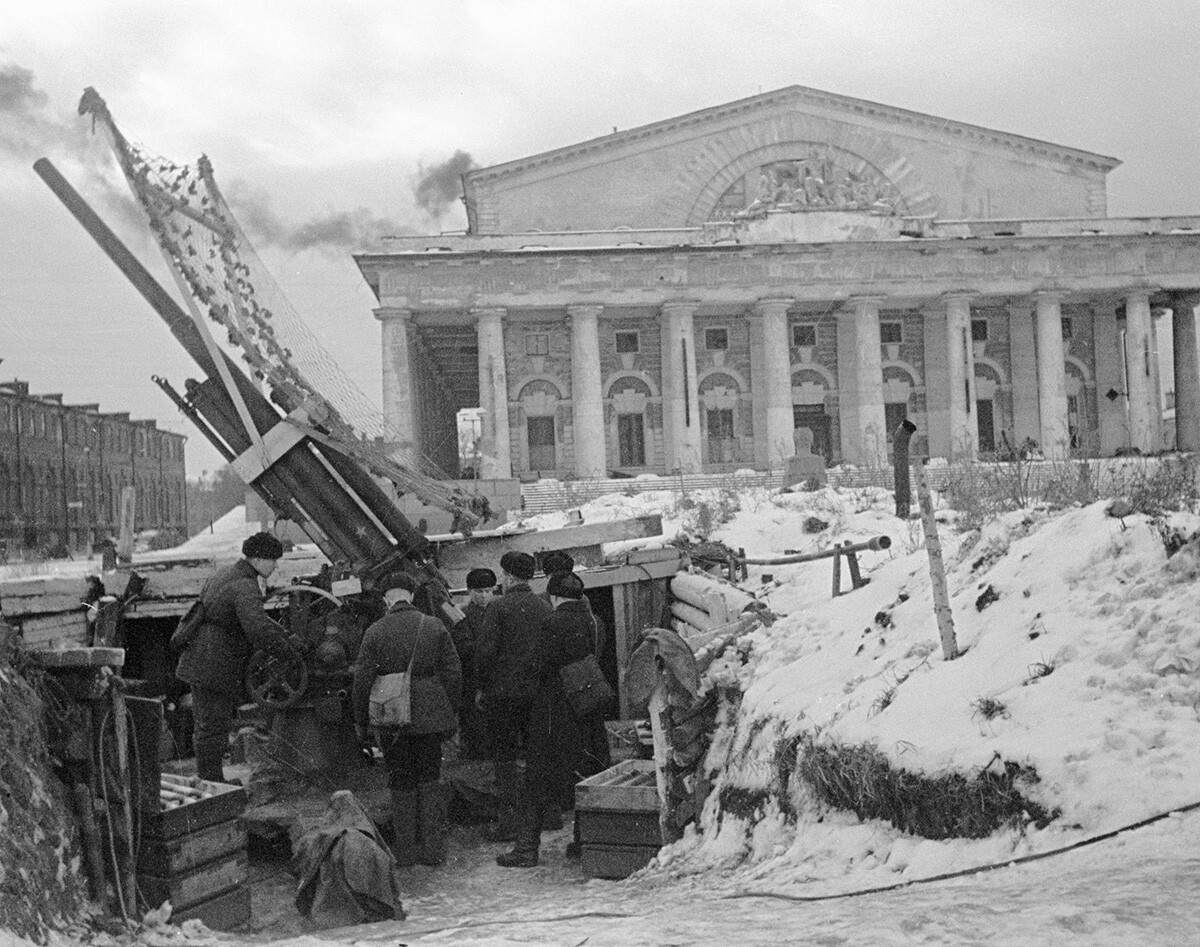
<point>232,286</point>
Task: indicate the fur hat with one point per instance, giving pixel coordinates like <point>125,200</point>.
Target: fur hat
<point>565,585</point>
<point>396,580</point>
<point>481,579</point>
<point>262,546</point>
<point>557,561</point>
<point>519,565</point>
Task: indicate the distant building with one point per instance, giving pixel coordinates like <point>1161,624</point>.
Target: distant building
<point>63,467</point>
<point>683,295</point>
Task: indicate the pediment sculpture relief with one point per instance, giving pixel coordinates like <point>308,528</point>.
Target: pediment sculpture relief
<point>816,182</point>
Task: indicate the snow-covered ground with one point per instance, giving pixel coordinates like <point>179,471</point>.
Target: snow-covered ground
<point>1080,649</point>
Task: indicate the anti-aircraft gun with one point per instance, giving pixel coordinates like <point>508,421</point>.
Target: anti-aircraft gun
<point>311,446</point>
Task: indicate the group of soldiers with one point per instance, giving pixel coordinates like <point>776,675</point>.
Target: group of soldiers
<point>489,674</point>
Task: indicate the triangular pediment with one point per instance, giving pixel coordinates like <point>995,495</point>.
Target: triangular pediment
<point>680,171</point>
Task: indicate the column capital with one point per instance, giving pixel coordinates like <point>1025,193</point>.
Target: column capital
<point>489,312</point>
<point>1049,296</point>
<point>387,313</point>
<point>772,306</point>
<point>679,307</point>
<point>1140,294</point>
<point>584,310</point>
<point>859,306</point>
<point>959,296</point>
<point>1185,298</point>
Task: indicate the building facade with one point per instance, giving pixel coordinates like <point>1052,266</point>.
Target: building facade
<point>684,295</point>
<point>63,469</point>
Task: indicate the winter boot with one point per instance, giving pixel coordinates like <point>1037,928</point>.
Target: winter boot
<point>529,837</point>
<point>508,791</point>
<point>432,828</point>
<point>404,826</point>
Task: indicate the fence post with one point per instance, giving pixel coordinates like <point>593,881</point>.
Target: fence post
<point>937,569</point>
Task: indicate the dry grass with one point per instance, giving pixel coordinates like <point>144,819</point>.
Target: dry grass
<point>862,780</point>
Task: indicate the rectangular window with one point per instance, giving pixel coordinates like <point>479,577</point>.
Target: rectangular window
<point>1066,327</point>
<point>631,440</point>
<point>720,436</point>
<point>628,343</point>
<point>542,455</point>
<point>804,334</point>
<point>979,330</point>
<point>537,343</point>
<point>716,340</point>
<point>987,427</point>
<point>890,332</point>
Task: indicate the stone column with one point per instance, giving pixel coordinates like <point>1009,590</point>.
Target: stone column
<point>1055,437</point>
<point>1023,358</point>
<point>680,390</point>
<point>399,407</point>
<point>1145,415</point>
<point>495,447</point>
<point>771,383</point>
<point>964,423</point>
<point>860,383</point>
<point>1187,370</point>
<point>587,396</point>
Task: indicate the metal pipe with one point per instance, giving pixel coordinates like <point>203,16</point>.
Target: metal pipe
<point>878,543</point>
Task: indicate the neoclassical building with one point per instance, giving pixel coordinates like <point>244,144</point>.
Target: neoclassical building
<point>683,295</point>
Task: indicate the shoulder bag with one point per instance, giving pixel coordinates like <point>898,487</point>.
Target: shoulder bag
<point>391,695</point>
<point>187,629</point>
<point>587,690</point>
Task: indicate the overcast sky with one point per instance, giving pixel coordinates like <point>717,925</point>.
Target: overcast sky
<point>322,117</point>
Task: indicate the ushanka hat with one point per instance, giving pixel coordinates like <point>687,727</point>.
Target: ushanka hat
<point>396,580</point>
<point>262,546</point>
<point>557,561</point>
<point>519,565</point>
<point>481,579</point>
<point>565,585</point>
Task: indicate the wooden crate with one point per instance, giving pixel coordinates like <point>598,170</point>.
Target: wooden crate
<point>618,819</point>
<point>189,851</point>
<point>228,911</point>
<point>190,888</point>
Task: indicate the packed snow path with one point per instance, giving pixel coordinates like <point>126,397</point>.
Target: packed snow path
<point>1135,889</point>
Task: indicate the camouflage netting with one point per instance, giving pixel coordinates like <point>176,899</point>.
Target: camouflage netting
<point>42,882</point>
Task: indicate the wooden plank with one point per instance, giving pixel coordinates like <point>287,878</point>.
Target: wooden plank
<point>621,595</point>
<point>194,886</point>
<point>612,827</point>
<point>53,630</point>
<point>615,861</point>
<point>225,802</point>
<point>486,551</point>
<point>610,789</point>
<point>79,657</point>
<point>167,857</point>
<point>230,911</point>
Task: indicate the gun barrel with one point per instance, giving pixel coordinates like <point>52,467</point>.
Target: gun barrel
<point>791,555</point>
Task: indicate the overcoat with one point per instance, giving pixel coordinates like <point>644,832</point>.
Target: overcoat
<point>235,626</point>
<point>505,652</point>
<point>387,647</point>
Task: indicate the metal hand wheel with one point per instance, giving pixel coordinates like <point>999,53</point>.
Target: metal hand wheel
<point>276,681</point>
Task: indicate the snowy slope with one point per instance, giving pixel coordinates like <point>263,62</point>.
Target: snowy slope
<point>1088,639</point>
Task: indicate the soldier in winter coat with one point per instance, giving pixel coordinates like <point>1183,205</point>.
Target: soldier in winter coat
<point>413,753</point>
<point>481,584</point>
<point>506,662</point>
<point>214,664</point>
<point>560,748</point>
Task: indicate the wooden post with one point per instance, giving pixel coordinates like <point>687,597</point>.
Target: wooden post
<point>856,579</point>
<point>937,570</point>
<point>837,571</point>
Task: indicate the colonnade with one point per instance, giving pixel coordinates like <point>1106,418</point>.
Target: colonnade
<point>1038,379</point>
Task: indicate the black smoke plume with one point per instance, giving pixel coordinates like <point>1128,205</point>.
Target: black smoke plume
<point>438,188</point>
<point>335,233</point>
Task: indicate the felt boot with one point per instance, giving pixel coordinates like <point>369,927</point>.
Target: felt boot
<point>404,826</point>
<point>508,792</point>
<point>431,830</point>
<point>529,838</point>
